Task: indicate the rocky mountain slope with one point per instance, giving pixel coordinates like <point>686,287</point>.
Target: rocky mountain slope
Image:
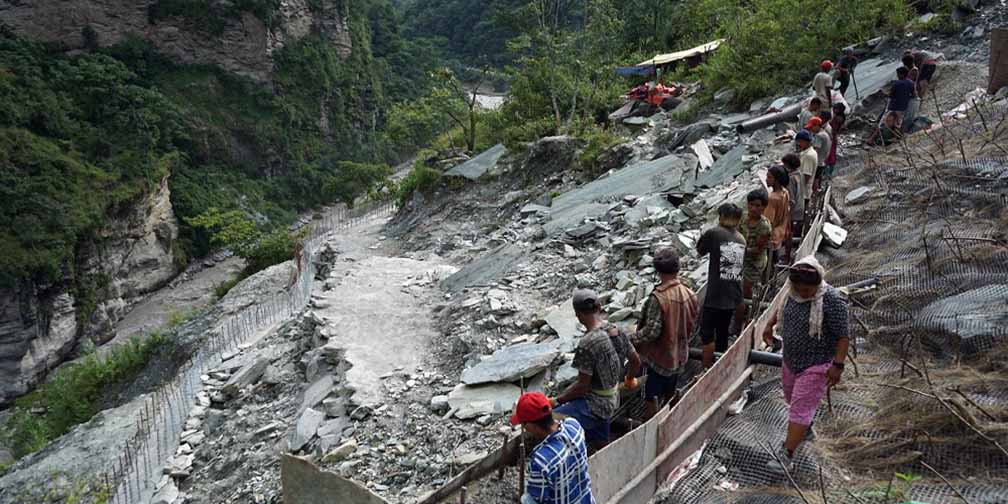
<point>238,41</point>
<point>122,94</point>
<point>40,325</point>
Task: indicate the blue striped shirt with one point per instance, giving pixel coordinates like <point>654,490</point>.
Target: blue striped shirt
<point>558,468</point>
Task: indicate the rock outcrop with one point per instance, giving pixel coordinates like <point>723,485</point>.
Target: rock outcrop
<point>245,46</point>
<point>41,324</point>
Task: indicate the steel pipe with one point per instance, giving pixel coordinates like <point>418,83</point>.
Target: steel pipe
<point>755,357</point>
<point>789,113</point>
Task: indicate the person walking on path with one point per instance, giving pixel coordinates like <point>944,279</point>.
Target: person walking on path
<point>757,231</point>
<point>778,210</point>
<point>599,359</point>
<point>662,337</point>
<point>557,471</point>
<point>813,322</point>
<point>726,248</point>
<point>823,84</point>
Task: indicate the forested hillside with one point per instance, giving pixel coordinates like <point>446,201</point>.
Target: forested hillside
<point>114,121</point>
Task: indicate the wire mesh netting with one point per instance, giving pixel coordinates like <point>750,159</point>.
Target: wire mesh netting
<point>929,397</point>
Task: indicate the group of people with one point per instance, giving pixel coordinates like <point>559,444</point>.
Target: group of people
<point>913,80</point>
<point>813,330</point>
<point>744,249</point>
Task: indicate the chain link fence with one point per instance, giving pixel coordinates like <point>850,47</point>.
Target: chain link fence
<point>160,423</point>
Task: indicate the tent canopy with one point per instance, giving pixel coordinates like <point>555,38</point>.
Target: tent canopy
<point>664,59</point>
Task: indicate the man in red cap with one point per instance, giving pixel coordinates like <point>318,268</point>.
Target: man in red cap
<point>821,143</point>
<point>823,84</point>
<point>557,470</point>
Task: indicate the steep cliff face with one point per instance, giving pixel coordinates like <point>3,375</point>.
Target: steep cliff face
<point>244,44</point>
<point>133,256</point>
<point>40,325</point>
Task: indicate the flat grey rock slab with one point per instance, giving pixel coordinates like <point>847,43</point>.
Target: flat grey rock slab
<point>479,165</point>
<point>565,375</point>
<point>511,364</point>
<point>305,429</point>
<point>304,483</point>
<point>561,319</point>
<point>645,207</point>
<point>871,76</point>
<point>726,168</point>
<point>487,269</point>
<point>475,401</point>
<point>858,195</point>
<point>593,199</point>
<point>247,375</point>
<point>533,209</point>
<point>318,391</point>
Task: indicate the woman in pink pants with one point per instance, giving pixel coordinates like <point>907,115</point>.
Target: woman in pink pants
<point>813,322</point>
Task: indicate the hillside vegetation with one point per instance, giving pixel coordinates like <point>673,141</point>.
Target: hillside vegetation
<point>115,122</point>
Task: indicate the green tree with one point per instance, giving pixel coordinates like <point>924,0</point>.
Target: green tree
<point>260,248</point>
<point>450,98</point>
<point>352,180</point>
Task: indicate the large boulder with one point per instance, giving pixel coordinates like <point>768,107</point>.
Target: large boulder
<point>511,364</point>
<point>549,155</point>
<point>475,401</point>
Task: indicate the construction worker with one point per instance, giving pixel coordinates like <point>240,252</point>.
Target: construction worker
<point>813,321</point>
<point>557,471</point>
<point>599,359</point>
<point>662,337</point>
<point>823,84</point>
<point>836,125</point>
<point>887,133</point>
<point>726,247</point>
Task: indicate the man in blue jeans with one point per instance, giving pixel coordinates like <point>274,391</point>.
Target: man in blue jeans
<point>603,358</point>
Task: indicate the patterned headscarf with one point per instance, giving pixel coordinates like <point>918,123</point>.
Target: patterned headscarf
<point>816,311</point>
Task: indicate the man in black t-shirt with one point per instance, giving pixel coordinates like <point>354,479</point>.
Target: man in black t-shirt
<point>726,247</point>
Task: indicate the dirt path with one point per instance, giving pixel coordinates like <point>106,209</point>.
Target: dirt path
<point>376,309</point>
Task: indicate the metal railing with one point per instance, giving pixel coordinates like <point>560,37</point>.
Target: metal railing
<point>160,422</point>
